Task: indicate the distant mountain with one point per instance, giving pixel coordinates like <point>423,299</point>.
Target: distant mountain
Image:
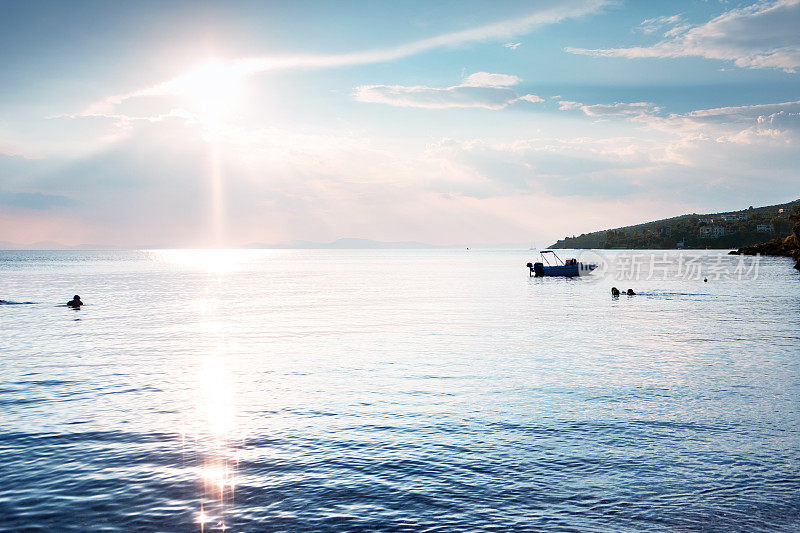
<point>348,244</point>
<point>731,229</point>
<point>339,244</point>
<point>41,245</point>
<point>52,245</point>
<point>97,247</point>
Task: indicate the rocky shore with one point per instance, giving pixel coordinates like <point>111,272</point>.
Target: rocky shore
<point>783,247</point>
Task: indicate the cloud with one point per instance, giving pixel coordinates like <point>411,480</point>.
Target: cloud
<point>34,200</point>
<point>567,105</point>
<point>479,90</point>
<point>776,123</point>
<point>780,118</point>
<point>581,166</point>
<point>741,150</point>
<point>531,98</point>
<point>244,67</point>
<point>488,79</point>
<point>154,189</point>
<point>741,154</point>
<point>763,126</point>
<point>655,24</point>
<point>619,109</point>
<point>746,112</point>
<point>291,181</point>
<point>762,35</point>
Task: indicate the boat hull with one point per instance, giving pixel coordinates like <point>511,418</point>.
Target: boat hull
<point>569,271</point>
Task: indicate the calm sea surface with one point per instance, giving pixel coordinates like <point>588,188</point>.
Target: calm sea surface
<point>294,390</point>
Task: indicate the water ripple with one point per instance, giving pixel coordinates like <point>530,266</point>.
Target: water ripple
<point>391,391</point>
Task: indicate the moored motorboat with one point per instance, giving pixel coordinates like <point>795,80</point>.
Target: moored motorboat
<point>569,268</point>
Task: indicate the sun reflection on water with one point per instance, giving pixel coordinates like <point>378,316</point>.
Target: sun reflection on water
<point>213,261</point>
<point>214,434</point>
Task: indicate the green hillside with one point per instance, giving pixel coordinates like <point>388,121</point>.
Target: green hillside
<point>732,229</point>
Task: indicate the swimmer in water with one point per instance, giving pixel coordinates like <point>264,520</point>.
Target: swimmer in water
<point>75,303</point>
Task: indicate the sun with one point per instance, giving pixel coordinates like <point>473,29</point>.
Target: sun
<point>213,91</point>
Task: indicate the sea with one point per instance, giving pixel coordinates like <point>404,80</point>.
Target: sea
<point>398,390</point>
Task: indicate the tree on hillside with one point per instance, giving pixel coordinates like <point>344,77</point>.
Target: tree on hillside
<point>793,240</point>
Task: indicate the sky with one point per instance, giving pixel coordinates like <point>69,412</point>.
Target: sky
<point>220,124</point>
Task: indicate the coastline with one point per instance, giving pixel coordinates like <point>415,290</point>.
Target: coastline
<point>780,247</point>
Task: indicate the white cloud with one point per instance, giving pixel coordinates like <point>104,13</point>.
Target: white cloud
<point>567,105</point>
<point>243,67</point>
<point>747,112</point>
<point>762,35</point>
<point>479,90</point>
<point>547,164</point>
<point>619,109</point>
<point>531,98</point>
<point>733,124</point>
<point>488,79</point>
<point>655,24</point>
<point>728,121</point>
<point>736,152</point>
<point>297,181</point>
<point>550,15</point>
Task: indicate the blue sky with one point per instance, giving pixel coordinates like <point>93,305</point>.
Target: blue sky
<point>220,124</point>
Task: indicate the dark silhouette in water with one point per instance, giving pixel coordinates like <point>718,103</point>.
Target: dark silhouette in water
<point>615,292</point>
<point>75,303</point>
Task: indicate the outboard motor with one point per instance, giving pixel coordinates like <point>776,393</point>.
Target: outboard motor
<point>537,269</point>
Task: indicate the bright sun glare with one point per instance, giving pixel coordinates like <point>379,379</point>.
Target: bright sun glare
<point>211,261</point>
<point>212,91</point>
